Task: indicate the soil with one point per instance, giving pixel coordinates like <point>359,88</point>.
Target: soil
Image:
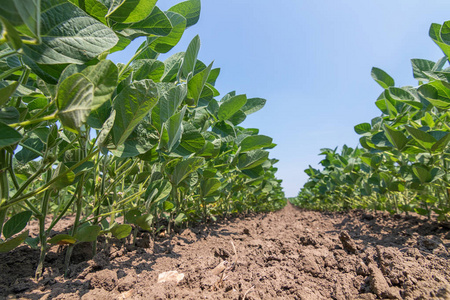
<point>289,254</point>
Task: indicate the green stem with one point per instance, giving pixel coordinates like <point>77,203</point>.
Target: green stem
<point>4,188</point>
<point>47,185</point>
<point>30,122</point>
<point>42,232</point>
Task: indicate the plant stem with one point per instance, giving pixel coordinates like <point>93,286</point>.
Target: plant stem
<point>4,188</point>
<point>42,232</point>
<point>30,122</point>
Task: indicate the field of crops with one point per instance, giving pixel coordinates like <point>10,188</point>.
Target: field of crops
<point>112,171</point>
<point>402,164</point>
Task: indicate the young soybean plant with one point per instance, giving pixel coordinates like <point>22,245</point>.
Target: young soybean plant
<point>146,140</point>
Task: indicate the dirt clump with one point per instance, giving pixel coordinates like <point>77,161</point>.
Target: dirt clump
<point>289,254</point>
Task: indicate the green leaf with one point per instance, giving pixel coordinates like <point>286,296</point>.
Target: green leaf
<point>190,57</point>
<point>437,93</point>
<point>156,24</point>
<point>8,136</point>
<point>104,77</point>
<point>11,34</point>
<point>7,91</point>
<point>172,131</point>
<point>145,221</point>
<point>363,128</point>
<point>16,224</point>
<point>131,11</point>
<point>186,167</point>
<point>254,142</point>
<point>88,233</point>
<point>396,137</point>
<point>133,103</point>
<point>192,140</point>
<point>13,243</point>
<point>252,159</point>
<point>132,215</point>
<point>95,8</point>
<point>420,66</point>
<point>106,129</point>
<point>121,231</point>
<point>166,43</point>
<point>63,180</point>
<point>230,106</point>
<point>168,104</point>
<point>382,78</point>
<point>253,105</point>
<point>238,118</point>
<point>157,191</point>
<point>172,66</point>
<point>9,115</point>
<point>402,95</point>
<point>210,186</point>
<point>441,144</point>
<point>422,173</point>
<point>197,83</point>
<point>148,69</point>
<point>188,9</point>
<point>69,35</point>
<point>62,239</point>
<point>74,99</point>
<point>424,139</point>
<point>437,33</point>
<point>30,13</point>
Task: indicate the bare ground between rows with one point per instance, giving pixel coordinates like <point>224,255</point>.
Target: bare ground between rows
<point>289,254</point>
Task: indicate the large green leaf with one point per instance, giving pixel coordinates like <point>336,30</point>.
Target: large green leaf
<point>30,13</point>
<point>437,93</point>
<point>156,24</point>
<point>188,9</point>
<point>157,191</point>
<point>9,115</point>
<point>254,142</point>
<point>363,128</point>
<point>184,168</point>
<point>230,106</point>
<point>13,243</point>
<point>192,140</point>
<point>8,136</point>
<point>120,231</point>
<point>253,105</point>
<point>172,131</point>
<point>190,56</point>
<point>131,11</point>
<point>88,233</point>
<point>95,8</point>
<point>437,32</point>
<point>148,69</point>
<point>396,137</point>
<point>132,104</point>
<point>210,186</point>
<point>420,66</point>
<point>7,91</point>
<point>74,100</point>
<point>424,139</point>
<point>16,223</point>
<point>69,35</point>
<point>168,104</point>
<point>165,43</point>
<point>104,76</point>
<point>197,83</point>
<point>382,78</point>
<point>252,159</point>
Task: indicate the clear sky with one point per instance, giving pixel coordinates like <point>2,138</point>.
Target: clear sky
<point>311,60</point>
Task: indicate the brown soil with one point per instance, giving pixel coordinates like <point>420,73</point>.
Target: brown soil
<point>290,254</point>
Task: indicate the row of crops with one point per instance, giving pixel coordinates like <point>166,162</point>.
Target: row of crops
<point>145,141</point>
<point>403,162</point>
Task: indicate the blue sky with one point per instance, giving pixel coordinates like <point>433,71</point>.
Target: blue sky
<point>311,60</point>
